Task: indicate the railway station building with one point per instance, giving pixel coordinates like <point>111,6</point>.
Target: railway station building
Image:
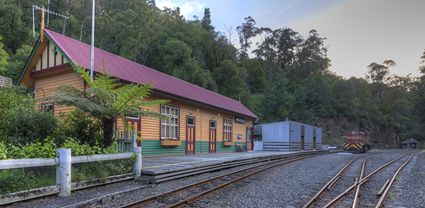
<point>200,121</point>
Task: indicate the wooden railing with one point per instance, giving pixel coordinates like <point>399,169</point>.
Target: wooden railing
<point>63,163</point>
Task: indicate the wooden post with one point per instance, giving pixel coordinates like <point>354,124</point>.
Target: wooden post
<point>138,163</point>
<point>42,25</point>
<point>64,171</point>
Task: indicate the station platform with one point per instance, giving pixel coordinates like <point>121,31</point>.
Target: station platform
<point>163,168</point>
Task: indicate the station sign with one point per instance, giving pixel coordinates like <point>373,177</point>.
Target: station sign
<point>239,119</point>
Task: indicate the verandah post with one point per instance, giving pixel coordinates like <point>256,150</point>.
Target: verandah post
<point>138,163</point>
<point>63,171</point>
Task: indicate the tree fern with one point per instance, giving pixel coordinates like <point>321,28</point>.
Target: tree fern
<point>109,99</point>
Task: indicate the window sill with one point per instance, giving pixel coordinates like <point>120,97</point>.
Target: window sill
<point>170,143</point>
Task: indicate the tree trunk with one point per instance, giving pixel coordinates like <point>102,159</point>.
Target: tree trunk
<point>108,131</point>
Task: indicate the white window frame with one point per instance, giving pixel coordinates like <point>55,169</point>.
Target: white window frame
<point>170,125</point>
<point>227,129</point>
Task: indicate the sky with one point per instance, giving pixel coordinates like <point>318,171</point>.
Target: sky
<point>358,32</point>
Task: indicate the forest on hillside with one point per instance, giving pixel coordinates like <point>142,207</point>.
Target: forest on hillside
<point>286,75</point>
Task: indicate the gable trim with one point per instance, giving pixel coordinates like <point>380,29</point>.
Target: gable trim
<point>33,52</point>
<point>28,61</point>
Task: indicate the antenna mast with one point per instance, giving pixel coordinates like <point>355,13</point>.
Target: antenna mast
<point>35,7</point>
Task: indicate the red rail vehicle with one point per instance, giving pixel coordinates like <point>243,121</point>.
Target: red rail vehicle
<point>357,142</point>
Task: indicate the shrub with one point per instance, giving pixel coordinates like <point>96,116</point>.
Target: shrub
<point>3,151</point>
<point>77,124</point>
<point>38,149</point>
<point>31,126</point>
<point>20,123</point>
<point>13,102</point>
<point>47,149</point>
<point>78,148</point>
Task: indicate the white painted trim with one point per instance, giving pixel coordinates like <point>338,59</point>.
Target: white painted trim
<point>26,163</point>
<point>101,157</point>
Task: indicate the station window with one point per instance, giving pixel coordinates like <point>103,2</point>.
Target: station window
<point>213,125</point>
<point>227,130</point>
<point>190,121</point>
<point>170,124</point>
<point>47,107</point>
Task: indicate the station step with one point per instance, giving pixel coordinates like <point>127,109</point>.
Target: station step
<point>158,177</point>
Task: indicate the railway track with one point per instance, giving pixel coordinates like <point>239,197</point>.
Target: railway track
<point>186,195</point>
<point>358,194</point>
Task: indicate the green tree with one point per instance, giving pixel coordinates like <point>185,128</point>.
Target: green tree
<point>12,26</point>
<point>312,57</point>
<point>3,58</point>
<point>110,100</point>
<point>206,20</point>
<point>279,47</point>
<point>17,62</point>
<point>230,78</point>
<point>247,31</point>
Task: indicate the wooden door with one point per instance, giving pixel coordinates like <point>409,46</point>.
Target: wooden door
<point>132,127</point>
<point>190,135</point>
<point>213,137</point>
<point>249,142</point>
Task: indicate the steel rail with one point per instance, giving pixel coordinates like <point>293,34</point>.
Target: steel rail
<point>356,196</point>
<point>385,193</point>
<point>206,181</point>
<point>329,184</point>
<point>362,181</point>
<point>199,195</point>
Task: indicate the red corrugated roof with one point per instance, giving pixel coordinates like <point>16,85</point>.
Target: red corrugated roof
<point>119,67</point>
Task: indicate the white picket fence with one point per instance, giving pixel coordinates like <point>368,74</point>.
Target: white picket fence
<point>63,163</point>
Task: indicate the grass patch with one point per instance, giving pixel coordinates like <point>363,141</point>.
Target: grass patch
<point>15,180</point>
<point>22,179</point>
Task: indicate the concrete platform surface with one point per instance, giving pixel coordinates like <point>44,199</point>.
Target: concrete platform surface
<point>163,164</point>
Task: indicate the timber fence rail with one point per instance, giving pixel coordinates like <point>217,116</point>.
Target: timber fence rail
<point>63,164</point>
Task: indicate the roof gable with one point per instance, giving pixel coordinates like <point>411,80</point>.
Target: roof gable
<point>79,53</point>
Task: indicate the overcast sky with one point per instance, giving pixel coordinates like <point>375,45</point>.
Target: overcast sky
<point>358,32</point>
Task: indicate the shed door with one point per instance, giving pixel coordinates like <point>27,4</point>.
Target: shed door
<point>302,137</point>
<point>213,137</point>
<point>190,135</point>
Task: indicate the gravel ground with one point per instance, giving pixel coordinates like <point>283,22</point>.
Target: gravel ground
<point>348,178</point>
<point>409,189</point>
<point>140,191</point>
<point>369,189</point>
<point>289,185</point>
<point>271,189</point>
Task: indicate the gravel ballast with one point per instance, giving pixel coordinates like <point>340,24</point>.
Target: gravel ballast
<point>294,184</point>
<point>409,189</point>
<point>289,185</point>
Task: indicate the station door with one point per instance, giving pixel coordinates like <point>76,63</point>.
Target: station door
<point>249,142</point>
<point>213,137</point>
<point>190,135</point>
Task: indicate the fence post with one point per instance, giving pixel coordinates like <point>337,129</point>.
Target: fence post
<point>64,171</point>
<point>138,163</point>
